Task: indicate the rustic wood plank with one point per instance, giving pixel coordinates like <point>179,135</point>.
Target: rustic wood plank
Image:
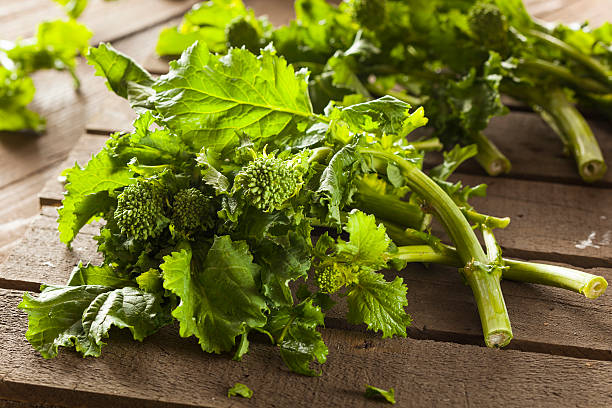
<point>53,190</point>
<point>109,21</point>
<point>548,320</point>
<point>168,371</point>
<point>556,222</point>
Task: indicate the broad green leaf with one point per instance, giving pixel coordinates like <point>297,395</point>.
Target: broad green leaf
<point>208,98</point>
<point>104,275</point>
<point>380,393</point>
<point>367,243</point>
<point>219,298</point>
<point>294,330</point>
<point>123,75</point>
<point>81,316</point>
<point>150,281</point>
<point>379,304</point>
<point>87,191</point>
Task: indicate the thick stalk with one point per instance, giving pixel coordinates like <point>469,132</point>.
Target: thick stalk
<point>573,129</point>
<point>595,66</point>
<point>428,145</point>
<point>490,157</point>
<point>589,285</point>
<point>485,282</point>
<point>388,207</point>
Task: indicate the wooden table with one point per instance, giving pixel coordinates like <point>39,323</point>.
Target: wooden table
<point>562,352</point>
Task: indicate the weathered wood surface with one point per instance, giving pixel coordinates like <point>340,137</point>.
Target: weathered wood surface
<point>166,370</point>
<point>108,20</point>
<point>545,319</point>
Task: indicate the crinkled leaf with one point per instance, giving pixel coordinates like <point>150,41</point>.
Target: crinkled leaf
<point>240,390</point>
<point>104,275</point>
<point>379,304</point>
<point>386,114</point>
<point>208,98</point>
<point>294,330</point>
<point>335,187</point>
<point>86,192</point>
<point>367,243</point>
<point>205,310</point>
<point>81,316</point>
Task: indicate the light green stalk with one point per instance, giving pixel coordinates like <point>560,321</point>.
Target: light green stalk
<point>482,276</point>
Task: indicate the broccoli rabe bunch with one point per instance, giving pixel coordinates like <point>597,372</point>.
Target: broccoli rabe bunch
<point>269,181</point>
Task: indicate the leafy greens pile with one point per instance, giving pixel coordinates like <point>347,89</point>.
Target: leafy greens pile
<point>222,211</point>
<point>56,45</point>
<point>453,57</point>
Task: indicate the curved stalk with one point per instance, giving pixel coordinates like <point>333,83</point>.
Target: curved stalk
<point>483,278</point>
<point>490,157</point>
<point>589,285</point>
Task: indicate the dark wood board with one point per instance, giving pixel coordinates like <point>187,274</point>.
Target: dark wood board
<point>109,20</point>
<point>167,371</point>
<point>545,319</point>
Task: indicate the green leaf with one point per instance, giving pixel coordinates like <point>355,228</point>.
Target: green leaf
<point>123,75</point>
<point>368,242</point>
<point>86,191</point>
<point>150,281</point>
<point>205,310</point>
<point>379,393</point>
<point>379,304</point>
<point>335,186</point>
<point>386,114</point>
<point>208,98</point>
<point>104,275</point>
<point>294,330</point>
<point>240,390</point>
<point>281,266</point>
<point>81,316</point>
<point>205,22</point>
<point>452,160</point>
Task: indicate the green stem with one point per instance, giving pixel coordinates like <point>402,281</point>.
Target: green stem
<point>595,66</point>
<point>490,157</point>
<point>485,282</point>
<point>573,129</point>
<point>549,68</point>
<point>428,145</point>
<point>589,285</point>
<point>486,220</point>
<point>388,207</point>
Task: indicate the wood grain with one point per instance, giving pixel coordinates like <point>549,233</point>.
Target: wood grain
<point>166,371</point>
<point>108,20</point>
